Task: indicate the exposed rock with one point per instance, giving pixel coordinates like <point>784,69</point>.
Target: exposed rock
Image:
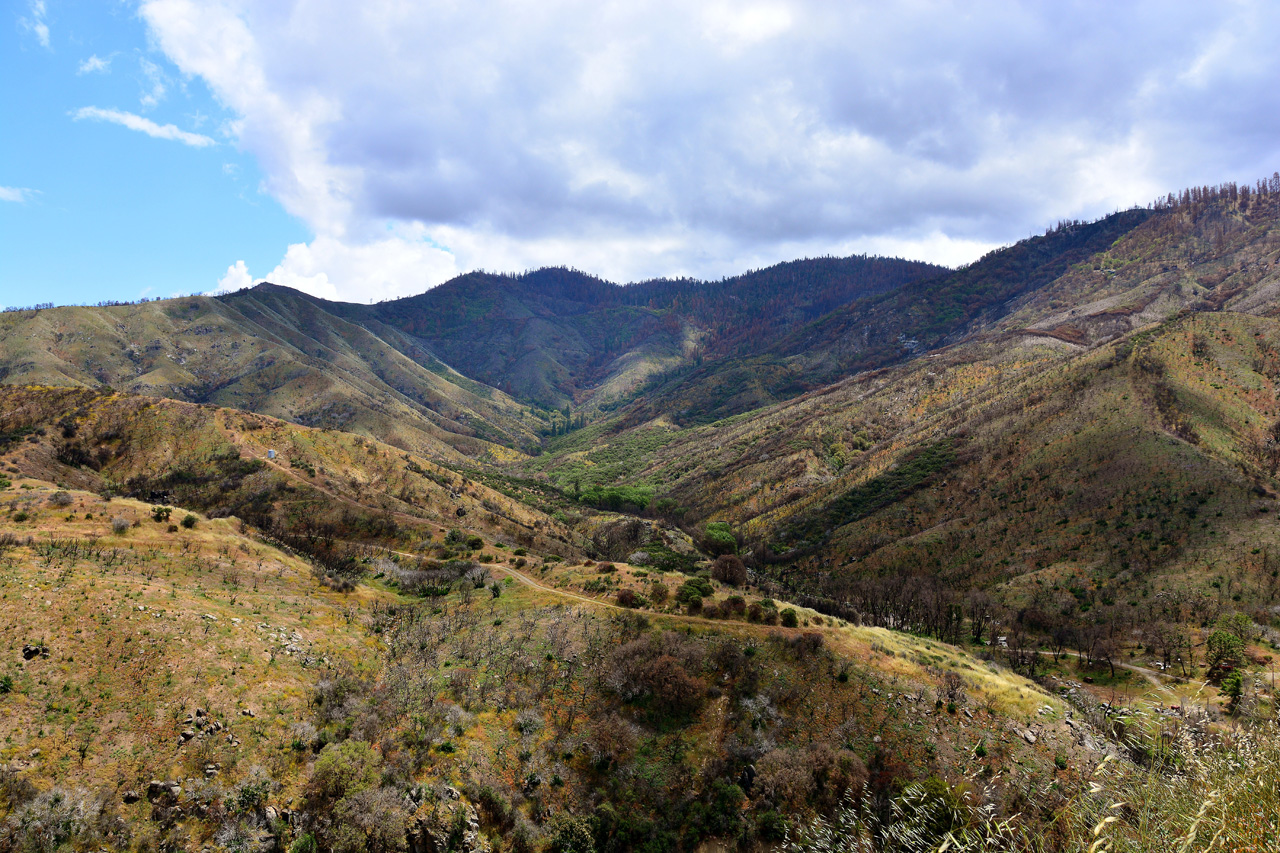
<point>130,797</point>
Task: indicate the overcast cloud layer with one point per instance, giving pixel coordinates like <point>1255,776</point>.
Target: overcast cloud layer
<point>422,139</point>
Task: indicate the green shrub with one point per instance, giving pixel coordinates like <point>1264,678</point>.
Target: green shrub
<point>570,834</point>
<point>189,521</point>
<point>718,538</point>
<point>694,588</point>
<point>789,618</point>
<point>343,769</point>
<point>305,843</point>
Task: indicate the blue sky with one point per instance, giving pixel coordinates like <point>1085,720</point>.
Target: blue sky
<point>369,150</point>
<point>108,212</point>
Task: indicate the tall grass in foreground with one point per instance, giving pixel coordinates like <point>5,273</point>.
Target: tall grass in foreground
<point>1220,796</point>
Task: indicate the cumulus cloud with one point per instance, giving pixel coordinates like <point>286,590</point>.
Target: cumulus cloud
<point>15,194</point>
<point>237,277</point>
<point>144,125</point>
<point>95,65</point>
<point>673,138</point>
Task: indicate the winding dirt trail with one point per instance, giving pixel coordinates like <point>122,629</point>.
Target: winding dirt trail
<point>1151,675</point>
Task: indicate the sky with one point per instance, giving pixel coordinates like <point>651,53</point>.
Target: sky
<point>364,151</point>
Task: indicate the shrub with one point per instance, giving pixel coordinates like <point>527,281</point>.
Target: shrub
<point>789,618</point>
<point>475,543</point>
<point>627,598</point>
<point>672,690</point>
<point>729,568</point>
<point>305,843</point>
<point>119,525</point>
<point>694,588</point>
<point>59,819</point>
<point>20,515</point>
<point>718,538</point>
<point>60,498</point>
<point>606,568</point>
<point>344,769</point>
<point>160,514</point>
<point>189,521</point>
<point>658,592</point>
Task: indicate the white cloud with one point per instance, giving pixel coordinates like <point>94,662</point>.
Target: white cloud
<point>399,264</point>
<point>36,24</point>
<point>144,125</point>
<point>95,65</point>
<point>15,194</point>
<point>156,83</point>
<point>667,138</point>
<point>236,278</point>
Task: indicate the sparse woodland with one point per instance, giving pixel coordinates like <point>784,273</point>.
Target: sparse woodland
<point>846,554</point>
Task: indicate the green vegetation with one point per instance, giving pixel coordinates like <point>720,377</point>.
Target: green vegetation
<point>907,608</point>
<point>910,474</point>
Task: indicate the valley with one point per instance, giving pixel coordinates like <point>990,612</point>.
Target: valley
<point>541,562</point>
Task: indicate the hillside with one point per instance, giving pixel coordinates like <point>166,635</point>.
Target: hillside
<point>551,339</point>
<point>674,566</point>
<point>192,682</point>
<point>275,352</point>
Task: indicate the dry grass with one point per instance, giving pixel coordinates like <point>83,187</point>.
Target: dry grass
<point>144,627</point>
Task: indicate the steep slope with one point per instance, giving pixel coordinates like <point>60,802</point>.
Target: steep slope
<point>553,338</point>
<point>272,351</point>
<point>309,487</point>
<point>879,329</point>
<point>557,336</point>
<point>1119,476</point>
<point>184,682</point>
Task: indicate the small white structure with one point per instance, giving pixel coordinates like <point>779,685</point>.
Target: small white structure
<point>271,454</point>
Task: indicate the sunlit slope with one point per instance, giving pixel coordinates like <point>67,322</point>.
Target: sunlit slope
<point>273,352</point>
<point>150,634</point>
<point>988,461</point>
<point>273,473</point>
